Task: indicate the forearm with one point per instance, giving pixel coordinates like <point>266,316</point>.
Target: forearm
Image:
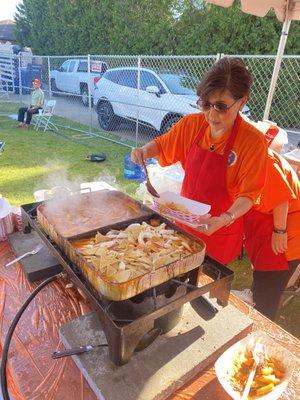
<point>150,150</point>
<point>280,216</point>
<point>239,208</point>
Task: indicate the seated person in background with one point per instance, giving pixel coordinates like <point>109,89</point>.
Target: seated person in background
<point>36,103</point>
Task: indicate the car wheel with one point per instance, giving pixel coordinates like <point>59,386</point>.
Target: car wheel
<point>169,121</point>
<point>106,116</point>
<point>54,88</point>
<point>84,96</point>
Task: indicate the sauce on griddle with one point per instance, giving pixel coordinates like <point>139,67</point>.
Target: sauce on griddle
<point>75,215</point>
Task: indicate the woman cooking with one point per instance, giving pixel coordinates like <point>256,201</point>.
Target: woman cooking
<point>224,157</point>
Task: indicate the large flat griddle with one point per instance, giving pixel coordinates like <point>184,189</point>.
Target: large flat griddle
<point>81,216</point>
<point>125,290</point>
<point>78,214</point>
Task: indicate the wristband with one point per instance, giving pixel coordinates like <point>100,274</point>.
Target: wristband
<point>279,231</point>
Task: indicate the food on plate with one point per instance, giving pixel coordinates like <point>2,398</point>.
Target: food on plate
<point>173,206</point>
<point>121,255</point>
<point>269,374</point>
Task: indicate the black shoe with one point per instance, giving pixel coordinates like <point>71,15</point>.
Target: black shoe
<point>96,157</point>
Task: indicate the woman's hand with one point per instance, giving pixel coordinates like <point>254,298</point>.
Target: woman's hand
<point>138,156</point>
<point>240,206</point>
<point>279,242</point>
<point>32,109</point>
<point>213,224</point>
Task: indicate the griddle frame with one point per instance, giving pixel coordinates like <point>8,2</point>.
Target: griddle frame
<point>123,338</point>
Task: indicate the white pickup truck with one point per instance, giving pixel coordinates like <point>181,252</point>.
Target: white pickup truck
<point>72,77</point>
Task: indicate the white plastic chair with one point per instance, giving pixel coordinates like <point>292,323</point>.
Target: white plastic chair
<point>44,116</point>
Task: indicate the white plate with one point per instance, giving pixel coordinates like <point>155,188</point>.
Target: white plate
<point>225,361</point>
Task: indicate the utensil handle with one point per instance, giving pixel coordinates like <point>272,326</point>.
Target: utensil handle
<point>248,384</point>
<point>17,259</point>
<point>71,352</point>
<point>145,169</point>
<point>76,350</point>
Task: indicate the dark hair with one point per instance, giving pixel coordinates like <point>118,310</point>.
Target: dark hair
<point>227,74</point>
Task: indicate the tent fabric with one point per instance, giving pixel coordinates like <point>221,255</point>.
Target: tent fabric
<point>261,8</point>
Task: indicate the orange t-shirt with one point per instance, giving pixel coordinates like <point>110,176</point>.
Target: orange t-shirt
<point>282,184</point>
<point>248,159</point>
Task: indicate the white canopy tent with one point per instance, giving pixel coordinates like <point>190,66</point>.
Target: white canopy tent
<point>286,11</point>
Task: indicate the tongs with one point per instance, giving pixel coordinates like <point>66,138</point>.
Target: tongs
<point>149,186</point>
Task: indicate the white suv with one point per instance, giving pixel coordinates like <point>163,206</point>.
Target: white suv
<point>163,97</point>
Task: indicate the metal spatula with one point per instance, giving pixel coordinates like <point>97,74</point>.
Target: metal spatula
<point>149,186</point>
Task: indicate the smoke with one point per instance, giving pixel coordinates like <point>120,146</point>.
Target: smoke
<point>57,176</point>
<point>63,193</point>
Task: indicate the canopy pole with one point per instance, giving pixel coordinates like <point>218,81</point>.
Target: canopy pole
<point>280,51</point>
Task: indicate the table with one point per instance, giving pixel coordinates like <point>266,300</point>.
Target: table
<point>33,375</point>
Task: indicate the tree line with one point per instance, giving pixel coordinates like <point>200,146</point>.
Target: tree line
<point>170,27</point>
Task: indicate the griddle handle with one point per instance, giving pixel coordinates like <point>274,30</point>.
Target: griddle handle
<point>74,351</point>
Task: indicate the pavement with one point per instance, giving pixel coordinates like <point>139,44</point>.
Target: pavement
<point>70,107</point>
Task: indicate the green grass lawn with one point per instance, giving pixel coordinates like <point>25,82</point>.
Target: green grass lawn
<point>9,107</point>
<point>37,160</point>
<point>40,160</point>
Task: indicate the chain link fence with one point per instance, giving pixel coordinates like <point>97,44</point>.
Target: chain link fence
<point>131,99</point>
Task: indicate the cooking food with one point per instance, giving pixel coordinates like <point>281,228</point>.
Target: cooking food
<point>78,214</point>
<point>267,375</point>
<point>173,206</point>
<point>121,255</point>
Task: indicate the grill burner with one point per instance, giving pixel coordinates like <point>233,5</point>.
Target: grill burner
<point>122,312</point>
<point>133,324</point>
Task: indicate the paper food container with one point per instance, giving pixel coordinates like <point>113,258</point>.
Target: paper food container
<point>293,155</point>
<point>194,209</point>
<point>223,365</point>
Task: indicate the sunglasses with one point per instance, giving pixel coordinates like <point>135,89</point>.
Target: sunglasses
<point>220,107</point>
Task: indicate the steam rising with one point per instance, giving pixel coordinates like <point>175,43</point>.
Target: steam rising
<point>64,193</point>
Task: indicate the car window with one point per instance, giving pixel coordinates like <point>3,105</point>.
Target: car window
<point>82,67</point>
<point>71,66</point>
<point>148,79</point>
<point>128,78</point>
<point>112,76</point>
<point>180,84</point>
<point>64,67</point>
